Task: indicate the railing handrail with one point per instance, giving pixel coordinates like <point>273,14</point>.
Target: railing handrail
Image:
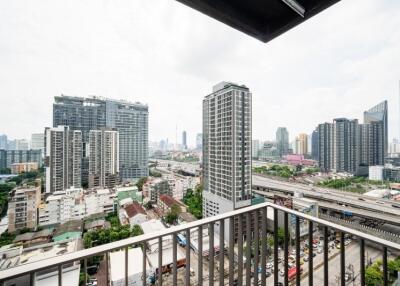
<point>101,249</point>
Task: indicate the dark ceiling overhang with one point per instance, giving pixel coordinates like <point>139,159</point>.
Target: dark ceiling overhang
<point>262,19</point>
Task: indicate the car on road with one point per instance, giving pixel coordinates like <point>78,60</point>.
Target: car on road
<point>269,265</point>
<point>305,258</point>
<point>319,251</point>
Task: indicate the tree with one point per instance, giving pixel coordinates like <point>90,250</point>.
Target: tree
<point>141,182</point>
<point>373,276</point>
<point>5,171</point>
<point>136,230</point>
<point>173,214</point>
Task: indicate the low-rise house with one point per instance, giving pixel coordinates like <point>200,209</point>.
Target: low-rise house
<point>34,238</point>
<point>69,230</point>
<point>97,224</point>
<point>166,202</point>
<point>18,168</point>
<point>132,214</point>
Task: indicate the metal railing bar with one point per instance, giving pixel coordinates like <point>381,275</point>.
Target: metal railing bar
<point>256,247</point>
<point>160,263</point>
<point>211,254</point>
<point>221,251</point>
<point>276,271</point>
<point>248,248</point>
<point>362,262</point>
<point>310,254</point>
<point>240,250</point>
<point>107,267</point>
<point>342,260</point>
<point>174,263</point>
<point>200,255</point>
<point>144,265</point>
<point>126,266</point>
<point>326,256</point>
<point>60,269</point>
<point>231,249</point>
<point>20,270</point>
<point>263,246</point>
<point>187,273</point>
<point>297,251</point>
<point>286,249</point>
<point>32,278</point>
<point>384,265</point>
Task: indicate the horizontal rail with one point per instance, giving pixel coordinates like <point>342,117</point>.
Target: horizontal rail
<point>102,249</point>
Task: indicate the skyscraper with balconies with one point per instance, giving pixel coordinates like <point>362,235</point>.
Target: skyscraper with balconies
<point>103,158</point>
<point>129,119</point>
<point>227,131</point>
<point>63,158</point>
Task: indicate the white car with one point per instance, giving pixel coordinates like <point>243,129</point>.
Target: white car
<point>269,265</point>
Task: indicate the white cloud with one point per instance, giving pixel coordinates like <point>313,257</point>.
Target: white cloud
<point>163,53</point>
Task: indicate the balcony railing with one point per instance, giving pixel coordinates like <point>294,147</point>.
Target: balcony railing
<point>246,252</point>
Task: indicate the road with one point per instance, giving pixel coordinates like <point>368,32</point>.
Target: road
<point>354,202</point>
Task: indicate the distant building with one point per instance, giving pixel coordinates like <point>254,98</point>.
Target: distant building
<point>22,208</point>
<point>103,158</point>
<point>37,142</point>
<point>63,158</point>
<point>282,141</point>
<point>9,157</point>
<point>376,173</point>
<point>298,160</point>
<point>21,144</point>
<point>158,187</point>
<point>184,140</point>
<point>315,145</point>
<point>227,135</point>
<point>325,146</point>
<point>345,145</point>
<point>255,149</point>
<point>3,142</point>
<point>132,214</point>
<point>269,150</point>
<point>302,144</point>
<point>18,168</point>
<point>199,141</point>
<point>93,113</point>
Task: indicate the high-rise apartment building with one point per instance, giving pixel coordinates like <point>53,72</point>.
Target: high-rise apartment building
<point>346,157</point>
<point>184,140</point>
<point>129,119</point>
<point>302,144</point>
<point>103,158</point>
<point>37,142</point>
<point>325,146</point>
<point>227,131</point>
<point>282,141</point>
<point>22,208</point>
<point>377,135</point>
<point>63,158</point>
<point>315,145</point>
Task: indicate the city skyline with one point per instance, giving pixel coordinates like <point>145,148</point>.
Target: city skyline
<point>75,63</point>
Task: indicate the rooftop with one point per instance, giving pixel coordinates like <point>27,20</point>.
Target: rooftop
<point>134,209</point>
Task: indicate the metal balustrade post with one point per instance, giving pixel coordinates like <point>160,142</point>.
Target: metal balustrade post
<point>263,246</point>
<point>60,269</point>
<point>221,251</point>
<point>200,255</point>
<point>362,262</point>
<point>32,278</point>
<point>107,268</point>
<point>240,251</point>
<point>384,266</point>
<point>187,273</point>
<point>160,263</point>
<point>286,249</point>
<point>144,264</point>
<point>174,263</point>
<point>276,245</point>
<point>126,266</point>
<point>248,248</point>
<point>326,256</point>
<point>310,254</point>
<point>231,249</point>
<point>211,254</point>
<point>297,251</point>
<point>342,260</point>
<point>256,247</point>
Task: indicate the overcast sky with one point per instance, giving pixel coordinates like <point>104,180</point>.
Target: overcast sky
<point>160,52</point>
